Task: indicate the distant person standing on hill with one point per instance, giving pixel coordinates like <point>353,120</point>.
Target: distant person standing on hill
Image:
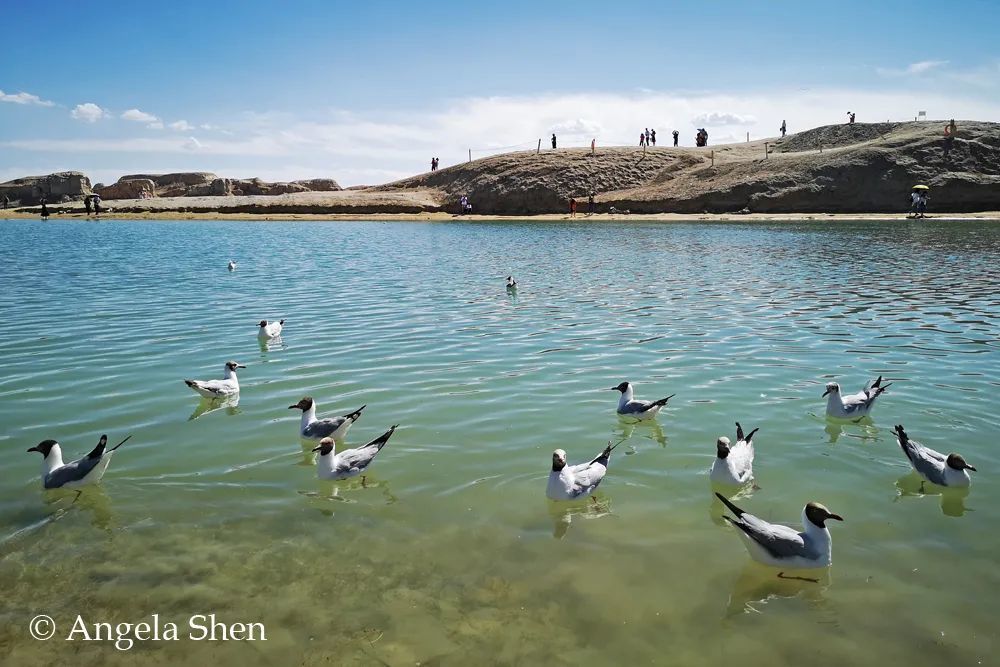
<point>652,137</point>
<point>676,137</point>
<point>642,139</point>
<point>783,128</point>
<point>553,140</point>
<point>850,118</point>
<point>647,136</point>
<point>86,204</point>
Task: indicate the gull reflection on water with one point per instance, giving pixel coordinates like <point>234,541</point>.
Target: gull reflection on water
<point>562,513</point>
<point>268,344</point>
<point>912,485</point>
<point>866,429</point>
<point>735,493</point>
<point>336,490</point>
<point>758,586</point>
<point>206,405</point>
<point>648,429</point>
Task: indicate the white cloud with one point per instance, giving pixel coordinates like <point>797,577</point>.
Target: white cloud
<point>192,144</point>
<point>88,112</point>
<point>182,126</point>
<point>156,125</point>
<point>24,98</point>
<point>716,118</point>
<point>139,116</point>
<point>913,69</point>
<point>578,127</point>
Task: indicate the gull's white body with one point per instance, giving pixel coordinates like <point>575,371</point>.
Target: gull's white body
<point>226,387</point>
<point>737,468</point>
<point>54,461</point>
<point>580,480</point>
<point>816,538</point>
<point>628,406</point>
<point>853,406</point>
<point>309,418</point>
<point>272,330</point>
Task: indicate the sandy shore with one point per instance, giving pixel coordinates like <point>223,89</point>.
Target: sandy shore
<point>993,216</point>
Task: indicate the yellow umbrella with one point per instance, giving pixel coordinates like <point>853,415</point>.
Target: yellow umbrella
<point>920,187</point>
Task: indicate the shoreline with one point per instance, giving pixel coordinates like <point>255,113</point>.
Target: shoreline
<point>986,216</point>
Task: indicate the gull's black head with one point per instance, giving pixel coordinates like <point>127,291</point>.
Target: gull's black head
<point>722,447</point>
<point>232,365</point>
<point>957,462</point>
<point>325,447</point>
<point>818,514</point>
<point>832,388</point>
<point>303,404</point>
<point>44,447</point>
<point>623,387</point>
<point>263,323</point>
<point>558,460</point>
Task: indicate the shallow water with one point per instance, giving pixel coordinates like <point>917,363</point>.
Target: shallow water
<point>450,554</point>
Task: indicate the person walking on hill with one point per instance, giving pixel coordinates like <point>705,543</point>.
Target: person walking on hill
<point>652,137</point>
<point>783,128</point>
<point>676,137</point>
<point>553,140</point>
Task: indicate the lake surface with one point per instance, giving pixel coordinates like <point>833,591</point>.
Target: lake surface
<point>450,554</point>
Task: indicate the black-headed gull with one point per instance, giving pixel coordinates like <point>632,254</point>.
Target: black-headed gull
<point>932,466</point>
<point>232,265</point>
<point>733,464</point>
<point>312,428</point>
<point>350,462</point>
<point>853,406</point>
<point>783,547</point>
<point>270,329</point>
<point>629,406</point>
<point>227,386</point>
<point>568,482</point>
<point>87,470</point>
<point>511,283</point>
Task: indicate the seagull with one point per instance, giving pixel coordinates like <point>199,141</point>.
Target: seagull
<point>733,465</point>
<point>316,429</point>
<point>934,467</point>
<point>578,481</point>
<point>87,470</point>
<point>272,330</point>
<point>350,462</point>
<point>784,547</point>
<point>228,386</point>
<point>631,407</point>
<point>854,406</point>
<point>232,265</point>
<point>511,283</point>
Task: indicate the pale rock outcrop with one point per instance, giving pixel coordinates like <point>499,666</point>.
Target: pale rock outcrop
<point>53,188</point>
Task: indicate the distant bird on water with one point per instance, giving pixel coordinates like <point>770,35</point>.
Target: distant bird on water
<point>511,283</point>
<point>733,464</point>
<point>232,265</point>
<point>783,547</point>
<point>932,466</point>
<point>628,406</point>
<point>853,406</point>
<point>82,472</point>
<point>350,462</point>
<point>312,428</point>
<point>227,386</point>
<point>270,330</point>
<point>568,482</point>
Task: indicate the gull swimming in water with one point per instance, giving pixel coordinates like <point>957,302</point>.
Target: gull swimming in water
<point>270,330</point>
<point>932,466</point>
<point>783,547</point>
<point>223,388</point>
<point>568,482</point>
<point>232,265</point>
<point>733,464</point>
<point>511,283</point>
<point>628,406</point>
<point>312,428</point>
<point>853,406</point>
<point>350,462</point>
<point>82,472</point>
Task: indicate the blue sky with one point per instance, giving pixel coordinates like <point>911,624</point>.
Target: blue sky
<point>367,92</point>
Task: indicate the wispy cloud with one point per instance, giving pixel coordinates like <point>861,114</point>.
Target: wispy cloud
<point>88,112</point>
<point>722,118</point>
<point>913,69</point>
<point>181,126</point>
<point>24,98</point>
<point>138,116</point>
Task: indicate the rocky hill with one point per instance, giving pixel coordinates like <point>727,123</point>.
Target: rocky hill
<point>206,184</point>
<point>855,168</point>
<point>53,188</point>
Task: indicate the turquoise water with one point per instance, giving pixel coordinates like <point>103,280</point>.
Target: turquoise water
<point>450,553</point>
